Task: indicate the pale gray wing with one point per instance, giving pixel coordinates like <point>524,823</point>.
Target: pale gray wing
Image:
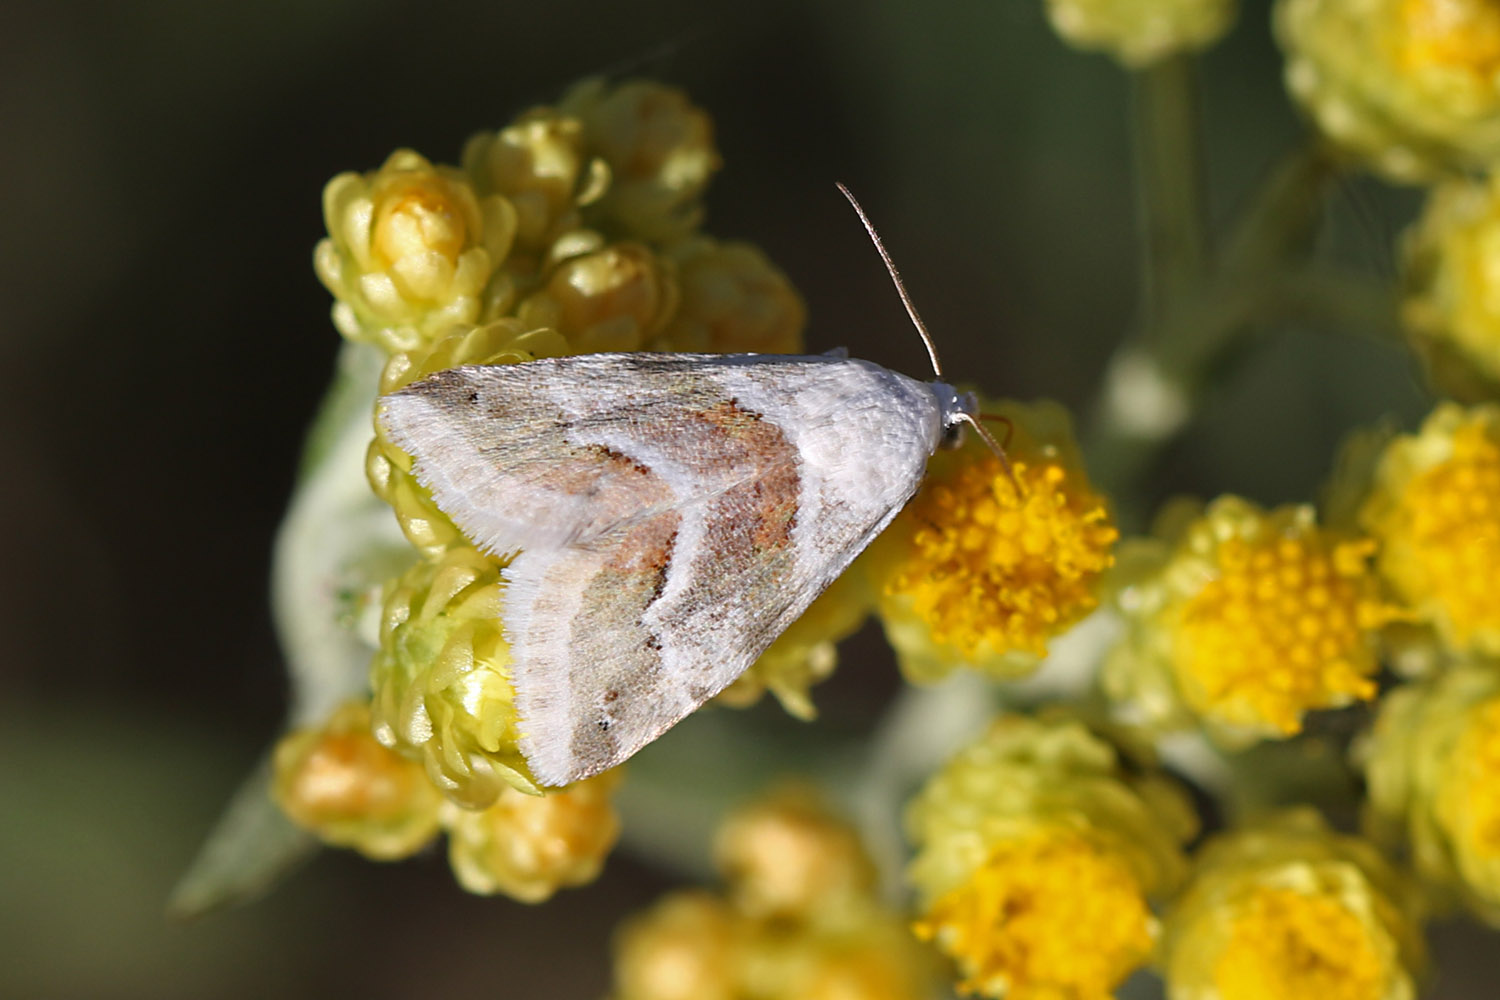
<point>673,514</point>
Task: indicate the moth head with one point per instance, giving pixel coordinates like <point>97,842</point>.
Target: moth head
<point>958,408</point>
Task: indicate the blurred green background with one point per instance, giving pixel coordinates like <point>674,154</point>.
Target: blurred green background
<point>165,344</point>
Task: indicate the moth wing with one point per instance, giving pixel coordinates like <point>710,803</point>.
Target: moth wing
<point>673,514</point>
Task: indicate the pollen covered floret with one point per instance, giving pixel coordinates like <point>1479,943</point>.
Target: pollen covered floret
<point>1245,620</point>
<point>1141,32</point>
<point>1289,908</point>
<point>338,782</point>
<point>1451,293</point>
<point>1409,86</point>
<point>410,248</point>
<point>1433,766</point>
<point>1038,851</point>
<point>799,919</point>
<point>529,846</point>
<point>1434,507</point>
<point>973,573</point>
<point>442,686</point>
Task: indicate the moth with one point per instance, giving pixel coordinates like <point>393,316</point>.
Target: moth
<point>669,516</point>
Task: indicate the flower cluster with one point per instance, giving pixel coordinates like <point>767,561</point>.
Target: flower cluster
<point>339,782</point>
<point>1289,908</point>
<point>799,919</point>
<point>1408,87</point>
<point>571,230</point>
<point>1053,857</point>
<point>1245,620</point>
<point>1039,851</point>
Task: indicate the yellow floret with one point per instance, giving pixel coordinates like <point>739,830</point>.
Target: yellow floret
<point>338,782</point>
<point>1451,279</point>
<point>1289,908</point>
<point>529,846</point>
<point>1435,509</point>
<point>975,573</point>
<point>1248,621</point>
<point>1409,86</point>
<point>1141,32</point>
<point>1050,915</point>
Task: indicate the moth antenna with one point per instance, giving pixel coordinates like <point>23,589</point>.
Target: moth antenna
<point>994,446</point>
<point>890,266</point>
<point>916,320</point>
<point>1010,428</point>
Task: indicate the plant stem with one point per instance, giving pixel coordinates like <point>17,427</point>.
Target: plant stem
<point>1169,183</point>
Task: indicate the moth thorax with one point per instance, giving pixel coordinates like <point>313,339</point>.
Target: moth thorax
<point>957,408</point>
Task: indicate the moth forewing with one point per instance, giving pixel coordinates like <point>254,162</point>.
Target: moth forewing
<point>673,514</point>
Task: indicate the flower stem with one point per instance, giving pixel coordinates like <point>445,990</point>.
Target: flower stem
<point>1200,302</point>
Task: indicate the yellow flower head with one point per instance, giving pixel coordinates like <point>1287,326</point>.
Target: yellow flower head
<point>529,846</point>
<point>660,154</point>
<point>785,857</point>
<point>1433,765</point>
<point>1291,909</point>
<point>686,947</point>
<point>338,782</point>
<point>442,685</point>
<point>1451,303</point>
<point>973,574</point>
<point>1141,32</point>
<point>409,251</point>
<point>388,468</point>
<point>1409,86</point>
<point>733,300</point>
<point>540,165</point>
<point>801,921</point>
<point>1038,848</point>
<point>613,299</point>
<point>1246,620</point>
<point>1434,507</point>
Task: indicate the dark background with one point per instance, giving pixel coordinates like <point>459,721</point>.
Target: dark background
<point>164,344</point>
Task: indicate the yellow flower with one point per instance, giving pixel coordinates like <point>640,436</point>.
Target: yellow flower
<point>529,846</point>
<point>1246,620</point>
<point>733,300</point>
<point>336,781</point>
<point>538,163</point>
<point>1291,909</point>
<point>410,248</point>
<point>388,468</point>
<point>1435,509</point>
<point>972,575</point>
<point>442,685</point>
<point>1141,32</point>
<point>1433,766</point>
<point>1409,86</point>
<point>613,299</point>
<point>660,152</point>
<point>800,920</point>
<point>686,947</point>
<point>1451,304</point>
<point>1038,849</point>
<point>785,857</point>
